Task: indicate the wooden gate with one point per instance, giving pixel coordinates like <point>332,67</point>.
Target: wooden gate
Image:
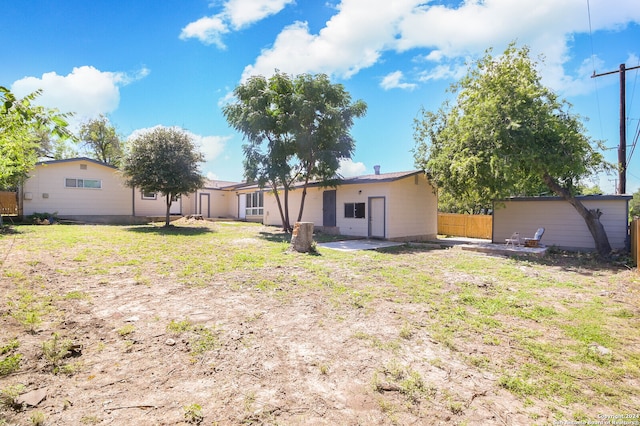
<point>8,203</point>
<point>465,225</point>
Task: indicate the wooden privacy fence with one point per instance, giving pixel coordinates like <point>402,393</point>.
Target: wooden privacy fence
<point>465,225</point>
<point>635,240</point>
<point>8,203</point>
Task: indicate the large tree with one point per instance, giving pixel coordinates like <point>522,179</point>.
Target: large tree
<point>101,140</point>
<point>507,134</point>
<point>22,125</point>
<point>164,160</point>
<point>297,130</point>
<point>320,126</point>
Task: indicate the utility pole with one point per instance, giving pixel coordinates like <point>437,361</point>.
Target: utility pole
<point>622,148</point>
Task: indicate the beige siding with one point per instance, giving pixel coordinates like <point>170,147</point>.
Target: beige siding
<point>564,227</point>
<point>45,190</point>
<point>147,207</point>
<point>218,203</point>
<point>312,207</point>
<point>413,209</point>
<point>410,208</point>
<point>359,193</point>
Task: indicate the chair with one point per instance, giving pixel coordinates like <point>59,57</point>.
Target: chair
<point>513,240</point>
<point>534,242</point>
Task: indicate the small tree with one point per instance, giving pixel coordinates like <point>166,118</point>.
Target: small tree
<point>101,140</point>
<point>22,125</point>
<point>164,160</point>
<point>507,135</point>
<point>297,129</point>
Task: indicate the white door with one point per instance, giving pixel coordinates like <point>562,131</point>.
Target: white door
<point>205,206</point>
<point>242,206</point>
<point>176,206</point>
<point>376,217</point>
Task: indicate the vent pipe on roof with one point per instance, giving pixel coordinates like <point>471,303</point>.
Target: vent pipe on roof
<point>376,168</point>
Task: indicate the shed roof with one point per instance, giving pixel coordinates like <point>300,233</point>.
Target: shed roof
<point>579,197</point>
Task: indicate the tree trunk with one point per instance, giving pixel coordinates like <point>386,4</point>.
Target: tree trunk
<point>591,217</point>
<point>304,191</point>
<point>167,217</point>
<point>285,223</point>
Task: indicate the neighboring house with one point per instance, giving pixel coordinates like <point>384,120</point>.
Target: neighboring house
<point>564,227</point>
<point>398,206</point>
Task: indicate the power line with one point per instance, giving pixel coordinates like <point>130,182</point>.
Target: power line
<point>593,63</point>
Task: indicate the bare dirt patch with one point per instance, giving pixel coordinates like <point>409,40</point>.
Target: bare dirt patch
<point>304,340</point>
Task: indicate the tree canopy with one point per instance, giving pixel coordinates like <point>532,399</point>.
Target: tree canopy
<point>22,126</point>
<point>164,160</point>
<point>101,140</point>
<point>505,135</point>
<point>296,130</point>
<point>634,205</point>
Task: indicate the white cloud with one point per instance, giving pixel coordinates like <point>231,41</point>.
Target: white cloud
<point>441,72</point>
<point>210,146</point>
<point>208,30</point>
<point>394,81</point>
<point>236,14</point>
<point>348,168</point>
<point>363,31</point>
<point>86,91</point>
<point>242,13</point>
<point>352,39</point>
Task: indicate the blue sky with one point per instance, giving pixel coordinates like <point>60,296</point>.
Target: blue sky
<point>145,63</point>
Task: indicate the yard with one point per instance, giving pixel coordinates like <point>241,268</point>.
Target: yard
<point>218,323</point>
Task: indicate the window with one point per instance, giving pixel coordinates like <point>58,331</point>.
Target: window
<point>149,195</point>
<point>354,210</point>
<point>255,204</point>
<point>83,183</point>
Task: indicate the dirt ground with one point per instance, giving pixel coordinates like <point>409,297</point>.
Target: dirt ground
<point>278,360</point>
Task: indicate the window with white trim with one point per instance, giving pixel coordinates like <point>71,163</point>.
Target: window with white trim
<point>354,210</point>
<point>255,204</point>
<point>149,195</point>
<point>83,183</point>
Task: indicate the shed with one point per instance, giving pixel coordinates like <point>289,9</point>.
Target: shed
<point>564,227</point>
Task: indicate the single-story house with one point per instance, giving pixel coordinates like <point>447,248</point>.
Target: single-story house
<point>398,206</point>
<point>564,227</point>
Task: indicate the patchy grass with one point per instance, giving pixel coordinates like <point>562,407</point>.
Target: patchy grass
<point>560,334</point>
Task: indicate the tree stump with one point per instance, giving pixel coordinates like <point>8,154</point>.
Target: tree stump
<point>302,237</point>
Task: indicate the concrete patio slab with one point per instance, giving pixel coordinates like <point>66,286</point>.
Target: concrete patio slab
<point>504,250</point>
<point>353,245</point>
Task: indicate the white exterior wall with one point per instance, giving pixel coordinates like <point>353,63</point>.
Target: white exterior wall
<point>413,209</point>
<point>45,191</point>
<point>218,203</point>
<point>564,227</point>
<point>146,207</point>
<point>312,207</point>
<point>360,193</point>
